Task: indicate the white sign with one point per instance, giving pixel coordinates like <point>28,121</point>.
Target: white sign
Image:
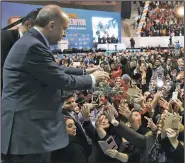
<point>163,41</point>
<point>108,144</point>
<point>112,46</point>
<point>63,44</point>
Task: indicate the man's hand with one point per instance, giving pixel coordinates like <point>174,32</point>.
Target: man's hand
<point>91,70</point>
<point>100,76</point>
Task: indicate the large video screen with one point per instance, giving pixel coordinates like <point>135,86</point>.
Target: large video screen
<point>104,27</point>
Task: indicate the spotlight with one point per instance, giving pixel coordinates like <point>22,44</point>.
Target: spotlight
<point>160,83</point>
<point>180,11</point>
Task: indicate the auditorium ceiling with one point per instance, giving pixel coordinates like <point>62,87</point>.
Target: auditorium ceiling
<point>89,5</point>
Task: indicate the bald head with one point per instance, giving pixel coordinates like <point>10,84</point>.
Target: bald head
<point>50,13</point>
<point>52,21</point>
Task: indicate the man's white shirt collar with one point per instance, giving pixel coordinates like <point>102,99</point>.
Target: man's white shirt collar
<point>20,33</point>
<point>47,43</point>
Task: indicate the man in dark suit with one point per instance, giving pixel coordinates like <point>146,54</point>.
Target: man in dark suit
<point>113,39</point>
<point>31,97</point>
<point>9,37</point>
<point>108,39</point>
<point>132,43</point>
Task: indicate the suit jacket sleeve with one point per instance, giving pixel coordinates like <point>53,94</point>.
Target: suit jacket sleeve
<point>40,64</point>
<point>73,71</point>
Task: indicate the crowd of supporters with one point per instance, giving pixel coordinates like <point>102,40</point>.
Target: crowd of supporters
<point>139,110</point>
<point>162,19</point>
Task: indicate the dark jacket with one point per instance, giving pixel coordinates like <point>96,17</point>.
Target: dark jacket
<point>97,154</point>
<point>8,38</point>
<point>74,152</point>
<point>173,155</point>
<point>146,144</point>
<point>80,132</point>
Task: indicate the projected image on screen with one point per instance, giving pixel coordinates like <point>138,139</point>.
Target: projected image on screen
<point>104,27</point>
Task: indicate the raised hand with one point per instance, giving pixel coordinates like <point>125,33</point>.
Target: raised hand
<point>151,124</point>
<point>163,103</point>
<point>110,117</point>
<point>161,120</point>
<point>178,103</point>
<point>85,111</point>
<point>172,136</point>
<point>158,95</point>
<point>99,121</point>
<point>112,153</point>
<point>91,106</point>
<point>125,111</point>
<point>149,108</point>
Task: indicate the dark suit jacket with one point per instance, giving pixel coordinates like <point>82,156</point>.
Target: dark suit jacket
<point>97,154</point>
<point>73,153</point>
<point>31,97</point>
<point>8,38</point>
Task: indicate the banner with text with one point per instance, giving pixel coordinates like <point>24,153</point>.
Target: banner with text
<point>85,25</point>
